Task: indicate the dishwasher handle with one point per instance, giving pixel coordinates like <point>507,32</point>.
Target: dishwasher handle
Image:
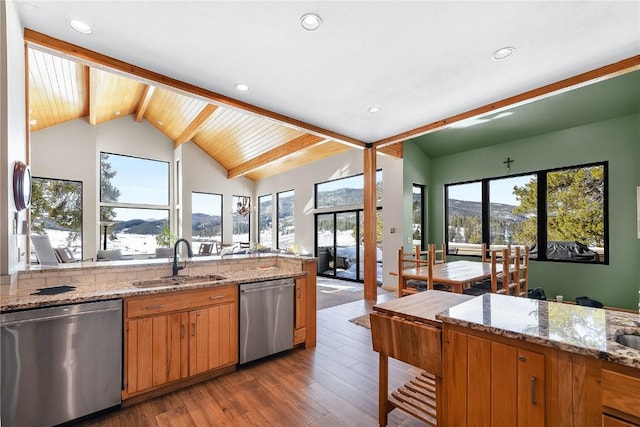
<point>264,288</point>
<point>57,316</point>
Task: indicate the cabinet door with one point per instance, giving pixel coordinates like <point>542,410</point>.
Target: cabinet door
<point>156,351</point>
<point>213,340</point>
<point>531,388</point>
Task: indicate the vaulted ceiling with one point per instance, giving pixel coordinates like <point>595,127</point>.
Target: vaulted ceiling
<point>246,144</point>
<point>425,64</point>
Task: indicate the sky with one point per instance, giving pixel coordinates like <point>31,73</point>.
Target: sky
<point>501,190</point>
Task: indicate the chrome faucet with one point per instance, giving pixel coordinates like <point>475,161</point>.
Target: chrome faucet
<point>176,268</point>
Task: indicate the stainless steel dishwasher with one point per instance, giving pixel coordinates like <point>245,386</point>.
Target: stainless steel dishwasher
<point>60,363</point>
<point>266,318</point>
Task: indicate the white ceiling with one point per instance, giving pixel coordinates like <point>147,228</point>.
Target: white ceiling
<point>420,61</point>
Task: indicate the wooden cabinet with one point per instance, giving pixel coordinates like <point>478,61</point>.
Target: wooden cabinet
<point>620,395</point>
<point>492,382</point>
<point>171,337</point>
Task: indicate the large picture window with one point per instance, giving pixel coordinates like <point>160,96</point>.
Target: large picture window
<point>134,204</point>
<point>265,221</point>
<point>286,219</point>
<point>56,210</point>
<point>563,211</point>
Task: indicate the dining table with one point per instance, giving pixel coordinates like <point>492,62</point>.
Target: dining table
<point>456,274</point>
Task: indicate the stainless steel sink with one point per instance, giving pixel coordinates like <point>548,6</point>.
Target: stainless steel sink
<point>629,340</point>
<point>203,279</point>
<point>177,280</point>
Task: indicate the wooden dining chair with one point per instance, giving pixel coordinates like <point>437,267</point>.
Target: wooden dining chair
<point>520,274</point>
<point>499,282</point>
<point>407,260</point>
<point>487,252</point>
<point>438,256</point>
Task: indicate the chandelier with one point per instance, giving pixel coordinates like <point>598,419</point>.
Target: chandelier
<point>243,204</point>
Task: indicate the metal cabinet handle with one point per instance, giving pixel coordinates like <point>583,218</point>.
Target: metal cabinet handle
<point>216,296</point>
<point>182,330</point>
<point>522,358</point>
<point>153,307</point>
<point>193,329</point>
<point>533,390</point>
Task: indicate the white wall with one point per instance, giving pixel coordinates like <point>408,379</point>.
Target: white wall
<point>302,180</point>
<point>202,174</point>
<point>13,138</point>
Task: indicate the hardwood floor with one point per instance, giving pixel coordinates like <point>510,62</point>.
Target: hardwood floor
<point>334,384</point>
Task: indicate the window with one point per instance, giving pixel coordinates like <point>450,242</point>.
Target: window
<point>286,219</point>
<point>265,221</point>
<point>241,224</point>
<point>206,219</point>
<point>418,203</point>
<point>134,204</point>
<point>464,217</point>
<point>344,191</point>
<point>562,210</point>
<point>56,210</point>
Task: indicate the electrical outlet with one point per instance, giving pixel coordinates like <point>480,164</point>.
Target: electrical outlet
<point>408,239</point>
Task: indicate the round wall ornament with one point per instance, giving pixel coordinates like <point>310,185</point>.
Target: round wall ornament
<point>21,185</point>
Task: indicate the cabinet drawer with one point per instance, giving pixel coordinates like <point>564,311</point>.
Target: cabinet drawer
<point>608,421</point>
<point>620,392</point>
<point>156,304</point>
<point>413,343</point>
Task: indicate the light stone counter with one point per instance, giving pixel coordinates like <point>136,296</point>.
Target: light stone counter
<point>97,281</point>
<point>572,328</point>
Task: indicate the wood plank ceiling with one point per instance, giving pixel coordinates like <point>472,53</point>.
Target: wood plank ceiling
<point>61,90</point>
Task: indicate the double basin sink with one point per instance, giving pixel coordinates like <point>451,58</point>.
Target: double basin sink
<point>178,280</point>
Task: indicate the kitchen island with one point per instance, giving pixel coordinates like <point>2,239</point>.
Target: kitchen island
<point>502,360</point>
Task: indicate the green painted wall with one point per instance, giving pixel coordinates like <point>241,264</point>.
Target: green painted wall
<point>617,141</point>
<point>416,170</point>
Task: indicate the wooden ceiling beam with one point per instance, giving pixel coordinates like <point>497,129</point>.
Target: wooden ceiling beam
<point>393,150</point>
<point>612,70</point>
<point>92,58</point>
<point>93,96</point>
<point>286,149</point>
<point>147,93</point>
<point>195,125</point>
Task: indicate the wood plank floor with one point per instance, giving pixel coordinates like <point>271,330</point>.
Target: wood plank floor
<point>334,384</point>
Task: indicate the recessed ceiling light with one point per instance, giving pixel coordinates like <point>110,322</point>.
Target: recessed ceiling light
<point>33,122</point>
<point>160,123</point>
<point>242,87</point>
<point>374,109</point>
<point>80,26</point>
<point>503,53</point>
<point>117,113</point>
<point>310,21</point>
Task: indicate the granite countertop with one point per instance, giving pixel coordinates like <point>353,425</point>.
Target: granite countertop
<point>584,330</point>
<point>23,298</point>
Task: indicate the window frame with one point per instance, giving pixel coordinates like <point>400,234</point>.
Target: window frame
<point>81,192</point>
<point>135,206</point>
<point>293,194</point>
<point>270,196</point>
<point>221,213</point>
<point>422,188</point>
<point>541,212</point>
